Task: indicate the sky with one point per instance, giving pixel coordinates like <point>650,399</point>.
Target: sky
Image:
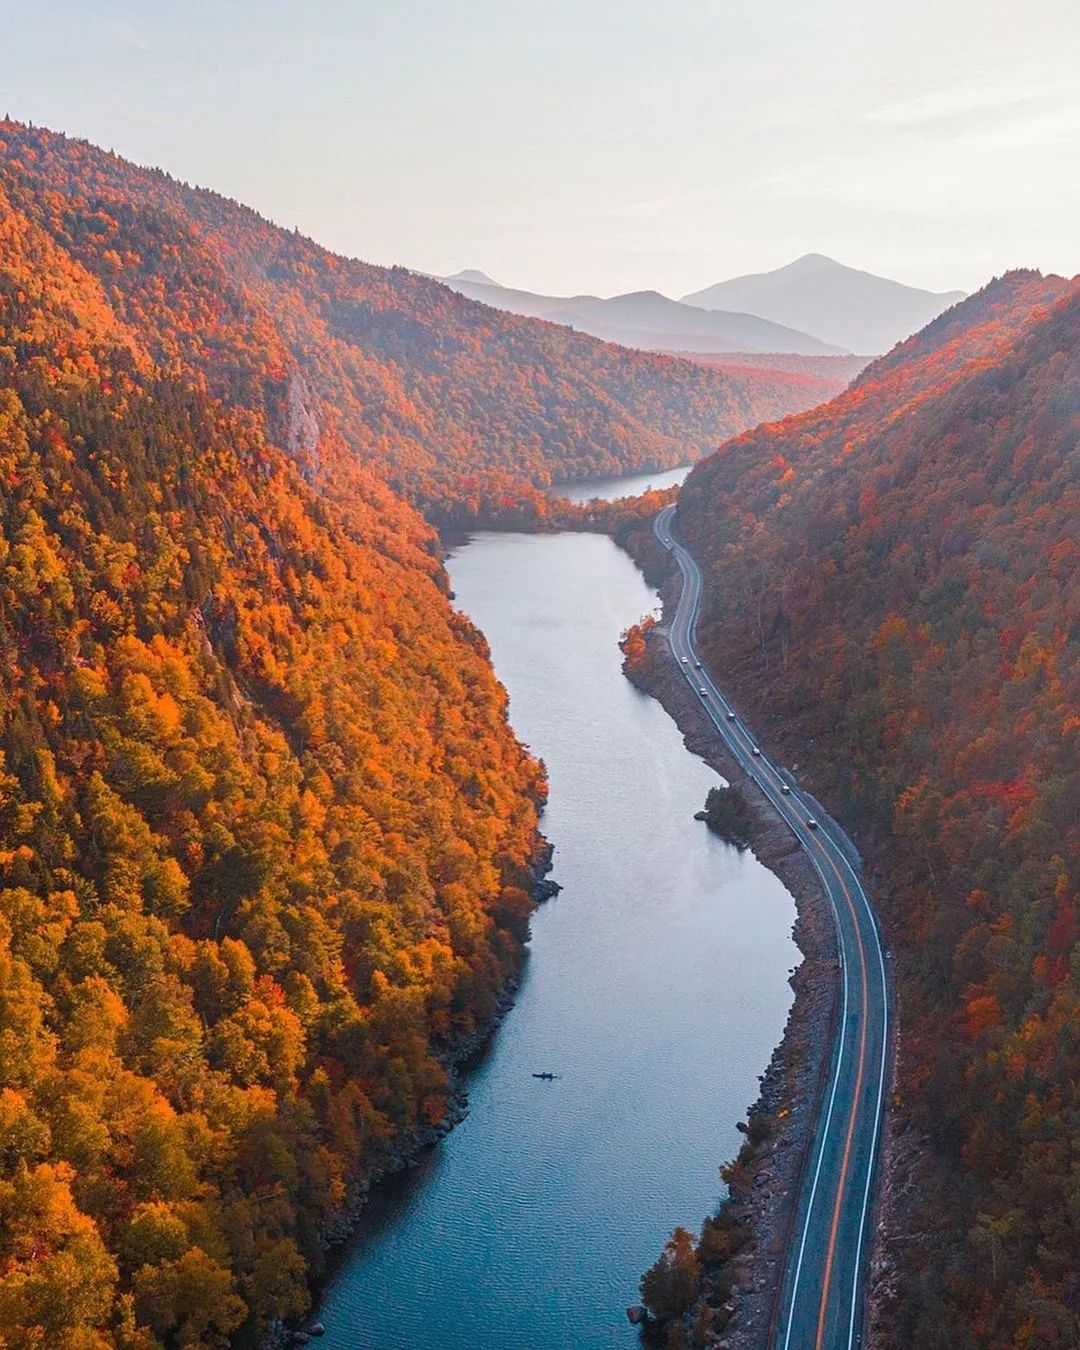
<point>593,145</point>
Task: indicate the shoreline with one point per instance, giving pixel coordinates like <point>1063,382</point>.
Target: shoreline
<point>341,1228</point>
<point>764,1178</point>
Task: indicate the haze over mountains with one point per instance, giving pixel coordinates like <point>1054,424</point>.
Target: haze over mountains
<point>813,307</point>
<point>645,319</point>
<point>854,309</point>
<point>427,388</point>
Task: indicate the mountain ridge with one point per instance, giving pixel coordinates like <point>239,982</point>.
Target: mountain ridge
<point>460,407</point>
<point>650,320</point>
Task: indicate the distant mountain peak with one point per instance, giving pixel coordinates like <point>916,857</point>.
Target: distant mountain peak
<point>474,275</point>
<point>844,305</point>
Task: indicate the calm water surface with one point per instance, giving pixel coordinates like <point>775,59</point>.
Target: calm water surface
<point>614,489</point>
<point>656,986</point>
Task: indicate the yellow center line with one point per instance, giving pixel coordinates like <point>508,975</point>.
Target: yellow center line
<point>823,1306</point>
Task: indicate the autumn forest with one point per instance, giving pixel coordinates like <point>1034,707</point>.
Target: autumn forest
<point>269,846</point>
<point>896,579</point>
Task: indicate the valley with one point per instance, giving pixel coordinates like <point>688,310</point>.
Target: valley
<point>539,814</point>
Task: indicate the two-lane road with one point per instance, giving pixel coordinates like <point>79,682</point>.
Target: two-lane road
<point>821,1297</point>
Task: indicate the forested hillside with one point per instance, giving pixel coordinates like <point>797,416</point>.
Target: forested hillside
<point>266,841</point>
<point>265,836</point>
<point>459,406</point>
<point>894,580</point>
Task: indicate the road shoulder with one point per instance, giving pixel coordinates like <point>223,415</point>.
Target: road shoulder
<point>765,1181</point>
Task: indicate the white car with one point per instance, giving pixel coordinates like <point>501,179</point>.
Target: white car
<point>686,660</point>
<point>785,789</point>
<point>812,823</point>
<point>731,717</point>
<point>703,692</point>
<point>755,751</point>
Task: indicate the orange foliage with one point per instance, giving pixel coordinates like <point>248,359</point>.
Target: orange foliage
<point>466,410</point>
<point>266,840</point>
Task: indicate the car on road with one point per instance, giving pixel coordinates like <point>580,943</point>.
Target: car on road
<point>703,692</point>
<point>697,664</point>
<point>754,750</point>
<point>731,717</point>
<point>686,660</point>
<point>785,789</point>
<point>812,823</point>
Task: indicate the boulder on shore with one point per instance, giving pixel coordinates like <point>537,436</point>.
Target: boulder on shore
<point>636,1314</point>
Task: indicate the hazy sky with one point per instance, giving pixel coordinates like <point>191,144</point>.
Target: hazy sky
<point>604,145</point>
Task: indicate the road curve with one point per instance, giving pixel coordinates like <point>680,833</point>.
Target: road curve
<point>822,1291</point>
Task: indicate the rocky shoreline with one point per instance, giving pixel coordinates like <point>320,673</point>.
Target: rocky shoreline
<point>764,1181</point>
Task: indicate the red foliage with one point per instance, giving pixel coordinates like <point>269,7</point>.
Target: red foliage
<point>910,601</point>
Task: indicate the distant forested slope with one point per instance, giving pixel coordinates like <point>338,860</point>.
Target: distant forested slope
<point>895,579</point>
<point>456,404</point>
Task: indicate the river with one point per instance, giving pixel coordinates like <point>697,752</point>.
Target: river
<point>655,986</point>
<point>615,489</point>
